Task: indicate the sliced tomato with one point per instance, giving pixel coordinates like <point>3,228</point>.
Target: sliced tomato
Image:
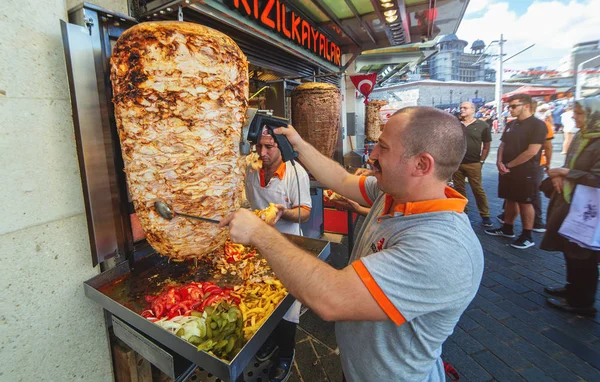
<point>211,288</point>
<point>172,314</point>
<point>158,309</point>
<point>195,293</point>
<point>147,313</point>
<point>210,301</point>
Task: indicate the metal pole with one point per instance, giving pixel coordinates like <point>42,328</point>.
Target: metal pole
<point>579,81</point>
<point>499,76</point>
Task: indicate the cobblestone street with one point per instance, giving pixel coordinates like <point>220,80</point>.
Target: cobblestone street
<point>507,333</point>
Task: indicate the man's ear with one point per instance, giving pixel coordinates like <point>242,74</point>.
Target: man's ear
<point>424,165</point>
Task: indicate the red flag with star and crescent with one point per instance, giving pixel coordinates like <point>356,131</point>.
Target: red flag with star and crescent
<point>364,83</point>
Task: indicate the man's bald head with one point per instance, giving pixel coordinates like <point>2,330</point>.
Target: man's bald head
<point>436,132</point>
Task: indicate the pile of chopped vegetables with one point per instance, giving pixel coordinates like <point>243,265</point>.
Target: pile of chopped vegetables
<point>183,300</point>
<point>217,330</point>
<point>215,319</point>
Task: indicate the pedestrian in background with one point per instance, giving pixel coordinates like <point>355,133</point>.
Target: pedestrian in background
<point>479,139</point>
<point>518,161</point>
<point>546,158</point>
<point>569,128</point>
<point>582,167</point>
<point>557,117</point>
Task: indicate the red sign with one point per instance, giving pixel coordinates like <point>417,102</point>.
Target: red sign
<point>364,83</point>
<point>273,14</point>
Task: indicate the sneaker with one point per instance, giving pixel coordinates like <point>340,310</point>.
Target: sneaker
<point>500,218</point>
<point>557,290</point>
<point>266,351</point>
<point>499,232</point>
<point>487,222</point>
<point>562,304</point>
<point>539,227</point>
<point>522,243</point>
<point>282,371</point>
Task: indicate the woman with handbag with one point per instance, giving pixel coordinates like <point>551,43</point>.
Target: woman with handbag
<point>582,167</point>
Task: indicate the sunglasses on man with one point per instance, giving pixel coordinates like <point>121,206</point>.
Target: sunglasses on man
<point>516,105</point>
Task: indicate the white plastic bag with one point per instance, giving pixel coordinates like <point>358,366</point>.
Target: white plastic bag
<point>582,224</point>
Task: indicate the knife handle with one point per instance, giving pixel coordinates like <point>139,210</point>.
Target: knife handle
<point>287,150</point>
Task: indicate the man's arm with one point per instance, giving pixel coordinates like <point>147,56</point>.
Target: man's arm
<point>291,214</point>
<point>500,152</point>
<point>526,155</point>
<point>326,171</point>
<point>548,152</point>
<point>335,295</point>
<point>485,151</point>
<point>501,167</point>
<point>351,205</point>
<point>486,138</point>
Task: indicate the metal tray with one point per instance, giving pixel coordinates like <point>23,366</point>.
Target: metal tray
<point>121,305</point>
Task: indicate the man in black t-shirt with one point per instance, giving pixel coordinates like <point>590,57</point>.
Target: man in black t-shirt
<point>478,147</point>
<point>518,162</point>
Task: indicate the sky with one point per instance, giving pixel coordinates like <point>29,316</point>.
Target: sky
<point>554,26</point>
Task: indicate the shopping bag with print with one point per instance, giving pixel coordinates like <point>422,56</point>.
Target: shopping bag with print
<point>582,224</point>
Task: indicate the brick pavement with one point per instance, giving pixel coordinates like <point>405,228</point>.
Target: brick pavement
<point>507,333</point>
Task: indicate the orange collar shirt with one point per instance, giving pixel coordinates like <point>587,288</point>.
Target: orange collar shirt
<point>281,189</point>
<point>423,264</point>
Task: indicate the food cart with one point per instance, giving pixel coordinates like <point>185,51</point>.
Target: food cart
<point>130,267</point>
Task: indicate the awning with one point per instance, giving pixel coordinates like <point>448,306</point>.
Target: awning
<point>531,91</point>
<point>392,62</point>
<point>354,25</point>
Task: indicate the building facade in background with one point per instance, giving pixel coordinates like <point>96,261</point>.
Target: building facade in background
<point>451,63</point>
<point>565,78</point>
<point>440,94</point>
<point>589,76</point>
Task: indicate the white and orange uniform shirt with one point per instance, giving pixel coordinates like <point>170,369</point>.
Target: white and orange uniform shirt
<point>422,263</point>
<point>281,189</point>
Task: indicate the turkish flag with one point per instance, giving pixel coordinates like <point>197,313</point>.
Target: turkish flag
<point>364,83</point>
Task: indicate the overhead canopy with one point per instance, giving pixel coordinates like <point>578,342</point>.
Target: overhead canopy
<point>391,36</point>
<point>531,91</point>
<point>392,62</point>
<point>354,25</point>
<point>370,24</point>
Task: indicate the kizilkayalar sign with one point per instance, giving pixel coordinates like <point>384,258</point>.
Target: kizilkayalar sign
<point>274,14</point>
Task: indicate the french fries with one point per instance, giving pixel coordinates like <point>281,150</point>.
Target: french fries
<point>258,302</point>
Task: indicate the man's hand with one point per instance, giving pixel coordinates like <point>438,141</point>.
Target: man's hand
<point>346,205</point>
<point>243,226</point>
<point>502,168</point>
<point>280,211</point>
<point>558,172</point>
<point>558,183</point>
<point>290,133</point>
<point>363,172</point>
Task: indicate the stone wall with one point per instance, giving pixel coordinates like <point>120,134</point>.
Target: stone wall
<point>50,330</point>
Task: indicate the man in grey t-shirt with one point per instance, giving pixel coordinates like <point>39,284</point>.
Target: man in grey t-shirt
<point>417,263</point>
